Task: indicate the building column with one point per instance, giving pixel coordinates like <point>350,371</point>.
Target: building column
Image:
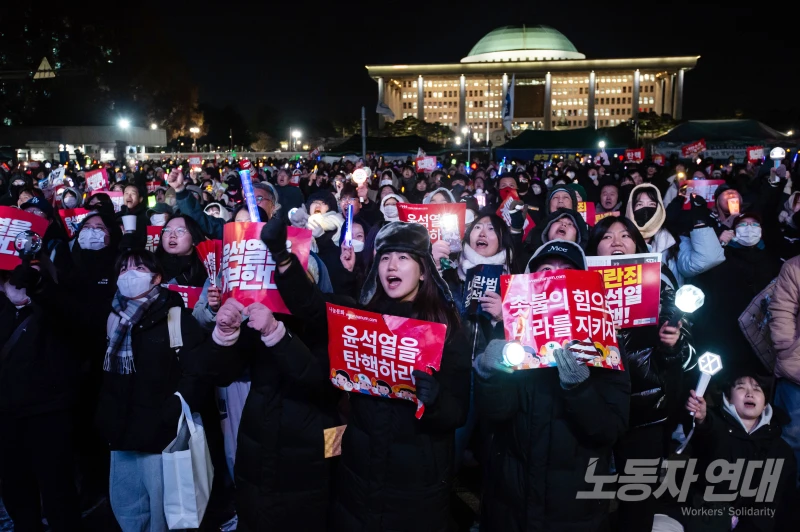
<point>668,94</point>
<point>679,96</point>
<point>505,91</point>
<point>420,98</point>
<point>548,102</point>
<point>462,102</point>
<point>662,91</point>
<point>590,121</point>
<point>635,97</point>
<point>381,118</point>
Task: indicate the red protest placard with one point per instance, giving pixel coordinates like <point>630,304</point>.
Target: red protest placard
<point>432,217</point>
<point>195,160</point>
<point>153,237</point>
<point>426,164</point>
<point>659,159</point>
<point>13,222</point>
<point>210,253</point>
<point>508,196</point>
<point>635,155</point>
<point>547,310</point>
<point>598,217</point>
<point>633,287</point>
<point>72,218</point>
<point>755,154</point>
<point>375,354</point>
<point>190,294</point>
<point>694,148</point>
<point>248,271</point>
<point>97,179</point>
<point>702,187</point>
<point>116,198</point>
<point>586,210</point>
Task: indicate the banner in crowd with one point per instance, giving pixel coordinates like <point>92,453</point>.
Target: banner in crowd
<point>97,179</point>
<point>479,280</point>
<point>694,148</point>
<point>195,160</point>
<point>375,354</point>
<point>701,187</point>
<point>72,218</point>
<point>210,253</point>
<point>426,164</point>
<point>659,159</point>
<point>13,221</point>
<point>248,270</point>
<point>57,175</point>
<point>116,198</point>
<point>190,294</point>
<point>598,217</point>
<point>444,221</point>
<point>633,287</point>
<point>153,237</point>
<point>586,210</point>
<point>635,155</point>
<point>755,154</point>
<point>548,310</point>
<point>507,197</point>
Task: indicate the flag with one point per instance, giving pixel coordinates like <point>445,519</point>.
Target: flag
<point>508,106</point>
<point>384,110</point>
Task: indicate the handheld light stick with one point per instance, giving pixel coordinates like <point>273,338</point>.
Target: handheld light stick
<point>27,243</point>
<point>249,194</point>
<point>450,232</point>
<point>777,155</point>
<point>688,299</point>
<point>710,364</point>
<point>513,354</point>
<point>348,234</point>
<point>480,197</point>
<point>359,176</point>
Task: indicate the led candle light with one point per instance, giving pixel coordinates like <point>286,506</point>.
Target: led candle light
<point>513,354</point>
<point>777,155</point>
<point>359,176</point>
<point>688,299</point>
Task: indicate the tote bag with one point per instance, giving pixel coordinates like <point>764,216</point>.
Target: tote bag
<point>187,471</point>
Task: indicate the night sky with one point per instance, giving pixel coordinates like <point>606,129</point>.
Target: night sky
<point>309,62</point>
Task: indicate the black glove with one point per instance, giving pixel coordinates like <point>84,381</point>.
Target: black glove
<point>25,276</point>
<point>518,219</point>
<point>273,234</point>
<point>699,210</point>
<point>427,387</point>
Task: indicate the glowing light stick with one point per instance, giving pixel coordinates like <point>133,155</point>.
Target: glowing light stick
<point>688,299</point>
<point>513,354</point>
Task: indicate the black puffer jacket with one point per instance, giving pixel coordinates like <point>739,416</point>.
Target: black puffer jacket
<point>282,476</point>
<point>544,440</point>
<point>657,371</point>
<point>139,411</point>
<point>395,469</point>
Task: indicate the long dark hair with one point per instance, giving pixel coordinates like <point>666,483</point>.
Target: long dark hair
<point>602,227</point>
<point>503,233</point>
<point>196,274</point>
<point>428,305</point>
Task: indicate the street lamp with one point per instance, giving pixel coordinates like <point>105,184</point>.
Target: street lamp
<point>602,144</point>
<point>466,130</point>
<point>296,136</point>
<point>154,126</point>
<point>124,123</point>
<point>194,131</point>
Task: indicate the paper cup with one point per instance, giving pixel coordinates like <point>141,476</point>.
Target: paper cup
<point>129,223</point>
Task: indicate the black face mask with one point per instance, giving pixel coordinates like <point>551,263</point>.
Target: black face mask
<point>643,215</point>
<point>16,189</point>
<point>457,190</point>
<point>522,188</point>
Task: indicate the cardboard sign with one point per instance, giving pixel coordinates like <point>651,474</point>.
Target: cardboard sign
<point>195,161</point>
<point>633,287</point>
<point>210,253</point>
<point>57,174</point>
<point>479,280</point>
<point>586,210</point>
<point>702,187</point>
<point>755,154</point>
<point>598,217</point>
<point>153,237</point>
<point>431,216</point>
<point>72,218</point>
<point>659,159</point>
<point>375,354</point>
<point>97,180</point>
<point>548,310</point>
<point>116,198</point>
<point>694,148</point>
<point>12,222</point>
<point>635,155</point>
<point>426,164</point>
<point>190,294</point>
<point>248,270</point>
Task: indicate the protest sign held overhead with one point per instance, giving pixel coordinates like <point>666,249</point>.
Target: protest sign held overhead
<point>633,287</point>
<point>444,221</point>
<point>72,219</point>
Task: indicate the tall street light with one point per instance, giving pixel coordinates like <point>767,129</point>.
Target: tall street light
<point>194,131</point>
<point>467,131</point>
<point>295,135</point>
<point>124,123</point>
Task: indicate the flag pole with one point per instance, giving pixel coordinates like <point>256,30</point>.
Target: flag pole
<point>364,134</point>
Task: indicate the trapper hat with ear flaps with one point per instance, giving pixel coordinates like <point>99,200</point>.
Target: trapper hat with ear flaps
<point>404,237</point>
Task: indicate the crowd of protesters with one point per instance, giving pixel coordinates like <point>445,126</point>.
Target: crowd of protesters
<point>88,372</point>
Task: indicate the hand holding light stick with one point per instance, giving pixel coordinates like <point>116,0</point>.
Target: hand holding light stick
<point>710,364</point>
<point>513,354</point>
<point>688,299</point>
<point>348,233</point>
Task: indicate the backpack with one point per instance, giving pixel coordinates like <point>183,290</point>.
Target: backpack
<point>754,323</point>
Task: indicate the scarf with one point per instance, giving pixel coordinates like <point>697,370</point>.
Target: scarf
<point>126,314</point>
<point>654,224</point>
<point>470,258</point>
<point>179,268</point>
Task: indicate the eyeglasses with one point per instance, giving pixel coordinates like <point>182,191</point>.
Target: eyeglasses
<point>259,199</point>
<point>748,224</point>
<point>348,201</point>
<point>178,231</point>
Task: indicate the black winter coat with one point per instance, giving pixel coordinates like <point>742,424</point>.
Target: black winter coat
<point>282,476</point>
<point>544,439</point>
<point>395,470</point>
<point>139,411</point>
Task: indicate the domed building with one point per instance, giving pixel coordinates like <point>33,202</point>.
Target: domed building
<point>554,85</point>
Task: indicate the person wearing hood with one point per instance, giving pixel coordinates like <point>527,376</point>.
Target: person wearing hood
<point>688,257</point>
<point>609,197</point>
<point>233,195</point>
<point>439,196</point>
<point>730,287</point>
<point>536,196</point>
<point>55,240</point>
<point>319,214</point>
<point>562,224</point>
<point>724,198</point>
<point>160,214</point>
<point>290,196</point>
<point>18,183</point>
<point>71,198</point>
<point>394,470</point>
<point>417,190</point>
<point>389,207</point>
<point>590,181</point>
<point>545,436</point>
<point>559,197</point>
<point>218,210</point>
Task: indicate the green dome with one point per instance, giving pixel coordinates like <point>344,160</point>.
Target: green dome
<point>523,43</point>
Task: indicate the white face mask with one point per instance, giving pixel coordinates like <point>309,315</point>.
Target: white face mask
<point>571,175</point>
<point>358,246</point>
<point>70,202</point>
<point>537,189</point>
<point>159,220</point>
<point>92,238</point>
<point>17,296</point>
<point>390,211</point>
<point>134,283</point>
<point>747,235</point>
